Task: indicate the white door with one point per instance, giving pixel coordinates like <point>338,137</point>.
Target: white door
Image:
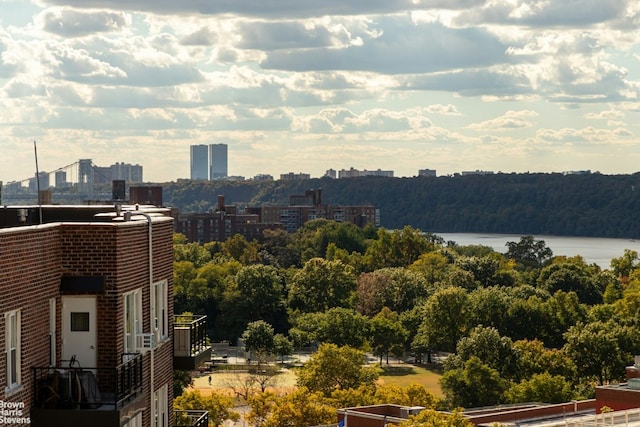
<point>79,330</point>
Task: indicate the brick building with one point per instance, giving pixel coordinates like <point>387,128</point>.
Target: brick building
<point>226,220</point>
<point>87,315</point>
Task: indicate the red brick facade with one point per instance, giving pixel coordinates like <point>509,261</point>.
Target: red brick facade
<point>33,261</point>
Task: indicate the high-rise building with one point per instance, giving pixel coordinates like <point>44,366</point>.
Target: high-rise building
<point>200,162</point>
<point>218,161</point>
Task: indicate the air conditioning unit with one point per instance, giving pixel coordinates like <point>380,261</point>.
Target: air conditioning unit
<point>146,341</point>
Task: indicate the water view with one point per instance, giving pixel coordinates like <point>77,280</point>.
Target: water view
<point>593,249</point>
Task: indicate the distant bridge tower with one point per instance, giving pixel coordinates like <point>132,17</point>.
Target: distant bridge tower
<point>85,177</point>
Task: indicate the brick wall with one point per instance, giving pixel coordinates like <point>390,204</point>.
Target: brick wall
<point>32,262</point>
<point>29,277</point>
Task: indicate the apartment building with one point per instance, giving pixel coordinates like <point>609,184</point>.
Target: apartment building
<point>87,315</point>
<point>226,220</point>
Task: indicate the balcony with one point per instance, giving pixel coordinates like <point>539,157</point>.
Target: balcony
<point>85,396</point>
<point>190,418</point>
<point>190,348</point>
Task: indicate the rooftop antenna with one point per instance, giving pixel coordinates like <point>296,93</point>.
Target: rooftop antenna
<point>35,150</point>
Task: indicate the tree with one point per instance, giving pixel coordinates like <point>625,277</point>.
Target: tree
<point>181,380</point>
<point>529,252</point>
<point>597,351</point>
<point>572,276</point>
<point>433,418</point>
<point>386,333</point>
<point>258,339</point>
<point>280,245</point>
<point>219,406</point>
<point>282,346</point>
<point>333,368</point>
<point>444,320</point>
<point>399,248</point>
<point>299,408</point>
<point>489,307</point>
<point>623,266</point>
<point>542,387</point>
<point>433,266</point>
<point>256,292</point>
<point>238,248</point>
<point>474,385</point>
<point>486,344</point>
<point>411,395</point>
<point>532,358</point>
<point>322,285</point>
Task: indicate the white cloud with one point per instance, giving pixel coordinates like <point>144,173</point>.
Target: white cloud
<point>74,23</point>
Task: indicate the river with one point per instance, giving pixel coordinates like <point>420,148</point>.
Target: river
<point>593,249</point>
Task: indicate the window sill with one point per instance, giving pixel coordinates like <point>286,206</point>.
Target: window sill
<point>16,388</point>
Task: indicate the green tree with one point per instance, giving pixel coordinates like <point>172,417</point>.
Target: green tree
<point>282,346</point>
<point>623,266</point>
<point>486,344</point>
<point>387,333</point>
<point>258,339</point>
<point>333,368</point>
<point>474,385</point>
<point>529,252</point>
<point>256,292</point>
<point>181,380</point>
<point>219,406</point>
<point>322,285</point>
<point>597,351</point>
<point>444,320</point>
<point>398,248</point>
<point>542,387</point>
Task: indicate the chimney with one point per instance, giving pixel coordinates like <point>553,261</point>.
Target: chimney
<point>220,203</point>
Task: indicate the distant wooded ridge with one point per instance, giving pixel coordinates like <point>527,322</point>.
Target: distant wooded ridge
<point>590,205</point>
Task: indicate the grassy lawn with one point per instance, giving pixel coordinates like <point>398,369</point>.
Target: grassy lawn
<point>404,374</point>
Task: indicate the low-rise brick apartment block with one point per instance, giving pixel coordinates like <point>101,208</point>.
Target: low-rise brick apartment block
<point>226,220</point>
<point>87,318</point>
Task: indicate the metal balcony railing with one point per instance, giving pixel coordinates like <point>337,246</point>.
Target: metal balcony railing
<point>189,335</point>
<point>76,387</point>
<point>190,418</point>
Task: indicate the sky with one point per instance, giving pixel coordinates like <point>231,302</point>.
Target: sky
<point>311,85</point>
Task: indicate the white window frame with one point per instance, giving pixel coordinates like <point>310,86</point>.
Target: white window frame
<point>12,351</point>
<point>132,319</point>
<point>161,407</point>
<point>160,315</point>
<point>52,332</point>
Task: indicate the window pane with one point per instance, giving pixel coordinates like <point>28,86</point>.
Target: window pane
<point>80,322</point>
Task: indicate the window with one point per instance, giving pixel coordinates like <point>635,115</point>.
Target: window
<point>52,332</point>
<point>132,319</point>
<point>12,349</point>
<point>161,319</point>
<point>161,407</point>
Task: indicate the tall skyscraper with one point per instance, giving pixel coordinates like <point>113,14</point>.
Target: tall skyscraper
<point>218,161</point>
<point>199,162</point>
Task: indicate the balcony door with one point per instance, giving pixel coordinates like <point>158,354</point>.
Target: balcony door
<point>79,330</point>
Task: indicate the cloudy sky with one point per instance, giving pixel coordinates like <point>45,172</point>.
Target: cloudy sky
<point>305,86</point>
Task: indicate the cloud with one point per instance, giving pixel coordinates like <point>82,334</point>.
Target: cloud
<point>203,37</point>
<point>546,13</point>
<point>271,9</point>
<point>74,23</point>
<point>400,47</point>
<point>509,121</point>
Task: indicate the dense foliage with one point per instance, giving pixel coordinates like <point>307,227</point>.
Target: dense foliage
<point>537,204</point>
<point>516,326</point>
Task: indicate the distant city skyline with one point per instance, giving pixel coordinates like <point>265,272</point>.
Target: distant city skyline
<point>459,85</point>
